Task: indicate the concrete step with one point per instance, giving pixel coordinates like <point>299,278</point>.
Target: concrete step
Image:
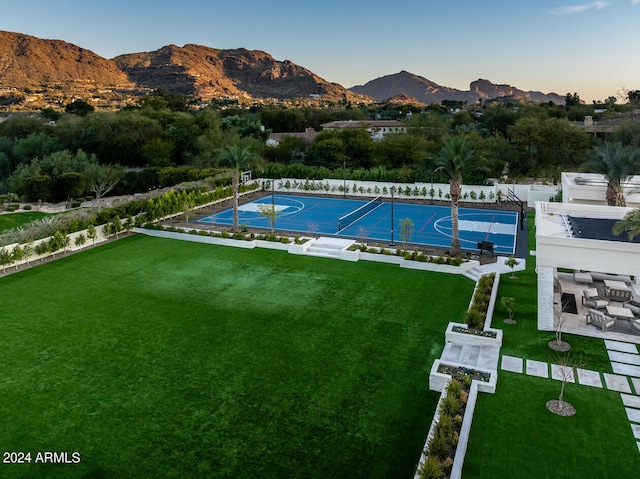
<point>488,358</point>
<point>469,355</point>
<point>473,274</point>
<point>328,251</point>
<point>327,246</point>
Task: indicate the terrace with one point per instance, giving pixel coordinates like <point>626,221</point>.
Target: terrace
<point>558,246</point>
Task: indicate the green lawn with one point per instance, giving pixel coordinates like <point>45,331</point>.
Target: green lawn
<point>159,358</point>
<point>13,220</point>
<point>514,435</point>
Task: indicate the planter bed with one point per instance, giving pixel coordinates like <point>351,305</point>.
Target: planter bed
<point>438,379</point>
<point>463,434</point>
<point>456,334</point>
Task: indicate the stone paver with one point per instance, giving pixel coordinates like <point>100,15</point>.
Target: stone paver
<point>638,443</point>
<point>633,414</point>
<point>627,358</point>
<point>562,372</point>
<point>511,364</point>
<point>626,369</point>
<point>630,401</point>
<point>620,346</point>
<point>636,384</point>
<point>537,368</point>
<point>617,383</point>
<point>589,378</point>
<point>636,430</point>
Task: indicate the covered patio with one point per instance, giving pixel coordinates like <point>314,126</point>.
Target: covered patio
<point>560,254</point>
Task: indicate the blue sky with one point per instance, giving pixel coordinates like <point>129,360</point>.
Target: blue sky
<point>588,47</point>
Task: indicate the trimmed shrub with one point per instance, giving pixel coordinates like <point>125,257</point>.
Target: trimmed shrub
<point>430,469</point>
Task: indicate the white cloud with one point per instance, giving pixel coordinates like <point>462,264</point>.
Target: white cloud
<point>582,7</point>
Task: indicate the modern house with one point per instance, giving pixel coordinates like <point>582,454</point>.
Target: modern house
<point>590,188</point>
<point>376,128</point>
<point>577,237</point>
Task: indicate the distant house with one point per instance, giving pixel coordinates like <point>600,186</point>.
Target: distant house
<point>308,137</point>
<point>377,128</point>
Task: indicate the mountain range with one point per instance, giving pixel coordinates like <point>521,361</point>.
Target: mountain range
<point>28,63</point>
<point>426,91</point>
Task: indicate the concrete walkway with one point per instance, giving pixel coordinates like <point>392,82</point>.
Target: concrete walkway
<point>625,363</point>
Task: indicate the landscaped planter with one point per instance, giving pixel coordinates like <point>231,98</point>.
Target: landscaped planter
<point>347,255</point>
<point>381,258</point>
<point>492,302</point>
<point>437,380</point>
<point>272,245</point>
<point>295,248</point>
<point>197,238</point>
<point>439,268</point>
<point>463,438</point>
<point>487,337</point>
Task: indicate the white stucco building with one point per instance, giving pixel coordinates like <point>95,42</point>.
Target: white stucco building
<point>559,245</point>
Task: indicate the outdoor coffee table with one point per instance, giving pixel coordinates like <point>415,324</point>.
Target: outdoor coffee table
<point>620,313</point>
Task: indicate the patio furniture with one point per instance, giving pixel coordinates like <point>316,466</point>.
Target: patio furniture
<point>633,306</point>
<point>610,277</point>
<point>599,319</point>
<point>582,277</point>
<point>619,295</point>
<point>635,325</point>
<point>591,298</point>
<point>620,313</point>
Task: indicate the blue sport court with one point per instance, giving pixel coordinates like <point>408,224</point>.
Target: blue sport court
<point>372,221</point>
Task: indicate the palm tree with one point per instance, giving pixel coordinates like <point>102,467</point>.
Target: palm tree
<point>630,224</point>
<point>237,158</point>
<point>617,163</point>
<point>455,157</point>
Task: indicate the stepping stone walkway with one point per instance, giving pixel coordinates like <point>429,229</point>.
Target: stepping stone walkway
<point>625,363</point>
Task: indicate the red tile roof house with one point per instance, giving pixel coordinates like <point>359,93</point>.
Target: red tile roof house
<point>308,137</point>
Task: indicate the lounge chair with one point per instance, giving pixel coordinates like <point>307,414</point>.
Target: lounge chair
<point>599,319</point>
<point>620,295</point>
<point>633,306</point>
<point>635,325</point>
<point>591,298</point>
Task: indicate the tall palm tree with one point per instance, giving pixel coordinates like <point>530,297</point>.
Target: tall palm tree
<point>630,224</point>
<point>618,163</point>
<point>237,158</point>
<point>456,156</point>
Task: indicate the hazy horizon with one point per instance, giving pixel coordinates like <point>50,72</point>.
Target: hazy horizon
<point>550,46</point>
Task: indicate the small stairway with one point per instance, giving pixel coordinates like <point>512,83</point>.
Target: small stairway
<point>481,357</point>
<point>326,247</point>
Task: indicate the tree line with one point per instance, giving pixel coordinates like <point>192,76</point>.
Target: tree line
<point>60,156</point>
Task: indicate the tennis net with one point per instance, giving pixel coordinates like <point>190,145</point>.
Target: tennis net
<point>355,215</point>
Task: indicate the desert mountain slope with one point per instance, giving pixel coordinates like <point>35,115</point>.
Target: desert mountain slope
<point>27,61</point>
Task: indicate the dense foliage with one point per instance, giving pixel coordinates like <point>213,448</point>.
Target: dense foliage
<point>37,152</point>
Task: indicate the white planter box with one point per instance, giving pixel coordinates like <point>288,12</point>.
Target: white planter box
<point>300,248</point>
<point>438,268</point>
<point>437,380</point>
<point>347,255</point>
<point>272,245</point>
<point>381,258</point>
<point>197,238</point>
<point>463,440</point>
<point>455,337</point>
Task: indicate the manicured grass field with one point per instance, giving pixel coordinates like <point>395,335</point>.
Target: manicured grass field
<point>13,220</point>
<point>160,358</point>
<point>514,435</point>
